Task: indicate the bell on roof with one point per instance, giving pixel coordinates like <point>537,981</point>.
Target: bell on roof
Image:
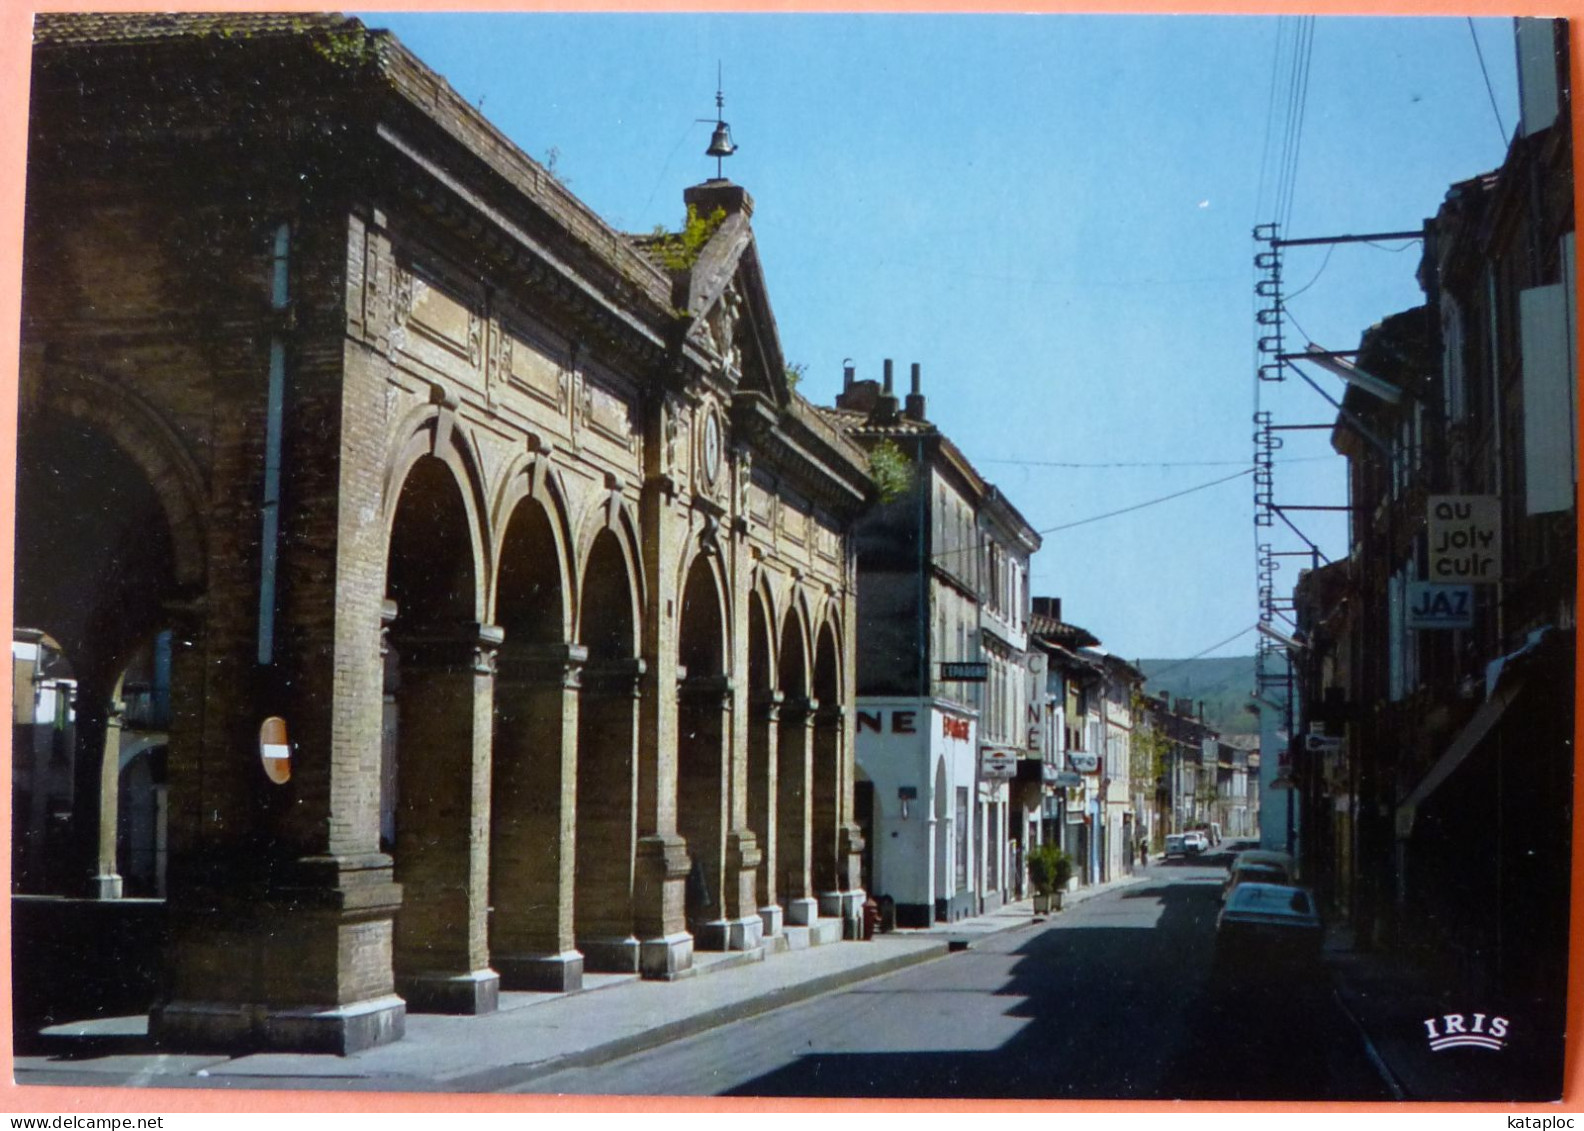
<point>720,142</point>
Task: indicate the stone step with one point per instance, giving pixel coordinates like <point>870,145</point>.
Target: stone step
<point>714,961</point>
<point>825,931</point>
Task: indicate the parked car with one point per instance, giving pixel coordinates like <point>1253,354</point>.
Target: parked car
<point>1197,842</point>
<point>1258,866</point>
<point>1176,846</point>
<point>1265,925</point>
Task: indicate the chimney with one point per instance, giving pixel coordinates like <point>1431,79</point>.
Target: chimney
<point>915,399</point>
<point>712,194</point>
<point>857,396</point>
<point>885,409</point>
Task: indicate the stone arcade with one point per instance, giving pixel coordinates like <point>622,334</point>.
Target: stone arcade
<point>525,537</point>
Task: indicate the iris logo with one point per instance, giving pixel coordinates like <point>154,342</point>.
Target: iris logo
<point>1455,1031</point>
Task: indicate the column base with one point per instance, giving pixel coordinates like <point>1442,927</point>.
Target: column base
<point>729,934</point>
<point>801,912</point>
<point>104,886</point>
<point>667,958</point>
<point>552,973</point>
<point>471,993</point>
<point>223,1026</point>
<point>770,917</point>
<point>611,955</point>
<point>846,906</point>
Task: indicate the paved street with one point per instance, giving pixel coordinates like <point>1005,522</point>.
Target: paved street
<point>1112,998</point>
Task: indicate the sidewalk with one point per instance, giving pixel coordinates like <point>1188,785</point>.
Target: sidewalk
<point>531,1035</point>
<point>1390,998</point>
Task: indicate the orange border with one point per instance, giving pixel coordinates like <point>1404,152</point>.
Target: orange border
<point>15,41</point>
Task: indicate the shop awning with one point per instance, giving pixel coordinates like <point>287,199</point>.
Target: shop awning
<point>1469,738</point>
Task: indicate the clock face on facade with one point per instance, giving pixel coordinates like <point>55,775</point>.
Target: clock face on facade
<point>712,447</point>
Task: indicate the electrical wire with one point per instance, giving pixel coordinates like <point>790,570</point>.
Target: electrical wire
<point>1151,677</point>
<point>1324,263</point>
<point>1174,463</point>
<point>1480,55</point>
<point>976,547</point>
<point>1148,502</point>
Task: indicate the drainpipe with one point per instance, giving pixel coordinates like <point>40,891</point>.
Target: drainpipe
<point>280,299</point>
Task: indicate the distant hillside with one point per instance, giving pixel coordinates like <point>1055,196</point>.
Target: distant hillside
<point>1223,684</point>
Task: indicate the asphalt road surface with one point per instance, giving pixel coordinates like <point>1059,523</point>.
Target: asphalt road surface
<point>1111,999</point>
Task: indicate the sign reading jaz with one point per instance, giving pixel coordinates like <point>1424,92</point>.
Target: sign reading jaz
<point>1457,1030</point>
<point>1440,606</point>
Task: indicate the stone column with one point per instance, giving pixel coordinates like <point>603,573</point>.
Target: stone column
<point>763,730</point>
<point>794,798</point>
<point>96,760</point>
<point>105,882</point>
<point>724,858</point>
<point>533,805</point>
<point>607,815</point>
<point>836,842</point>
<point>442,846</point>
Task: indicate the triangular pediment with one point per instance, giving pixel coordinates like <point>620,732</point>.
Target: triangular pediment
<point>730,312</point>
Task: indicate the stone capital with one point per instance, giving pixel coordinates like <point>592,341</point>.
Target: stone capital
<point>454,648</point>
<point>797,711</point>
<point>614,677</point>
<point>550,665</point>
<point>766,706</point>
<point>706,690</point>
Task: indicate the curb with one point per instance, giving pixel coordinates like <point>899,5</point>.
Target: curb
<point>1377,1061</point>
<point>506,1076</point>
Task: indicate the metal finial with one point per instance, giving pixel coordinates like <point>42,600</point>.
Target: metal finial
<point>721,144</point>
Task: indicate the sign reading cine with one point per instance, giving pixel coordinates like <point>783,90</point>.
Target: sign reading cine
<point>1465,539</point>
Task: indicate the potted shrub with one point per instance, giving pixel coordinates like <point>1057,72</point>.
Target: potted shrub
<point>1050,869</point>
<point>1064,875</point>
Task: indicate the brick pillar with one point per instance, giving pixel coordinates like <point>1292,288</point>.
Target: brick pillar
<point>607,815</point>
<point>532,807</point>
<point>764,728</point>
<point>274,944</point>
<point>794,794</point>
<point>703,811</point>
<point>442,847</point>
<point>837,842</point>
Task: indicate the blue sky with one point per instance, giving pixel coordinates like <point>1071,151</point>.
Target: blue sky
<point>1052,214</point>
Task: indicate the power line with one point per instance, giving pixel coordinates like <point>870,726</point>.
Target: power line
<point>1148,502</point>
<point>1480,55</point>
<point>976,547</point>
<point>1324,263</point>
<point>1199,655</point>
<point>1147,463</point>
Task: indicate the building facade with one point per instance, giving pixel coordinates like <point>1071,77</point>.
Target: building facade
<point>509,585</point>
<point>943,612</point>
<point>1436,664</point>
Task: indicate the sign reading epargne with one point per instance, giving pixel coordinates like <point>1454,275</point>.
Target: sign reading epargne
<point>1464,539</point>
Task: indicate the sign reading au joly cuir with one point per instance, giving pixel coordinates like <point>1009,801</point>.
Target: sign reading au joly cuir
<point>1465,539</point>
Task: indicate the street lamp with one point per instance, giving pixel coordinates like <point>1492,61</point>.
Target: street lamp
<point>1281,637</point>
<point>1341,367</point>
